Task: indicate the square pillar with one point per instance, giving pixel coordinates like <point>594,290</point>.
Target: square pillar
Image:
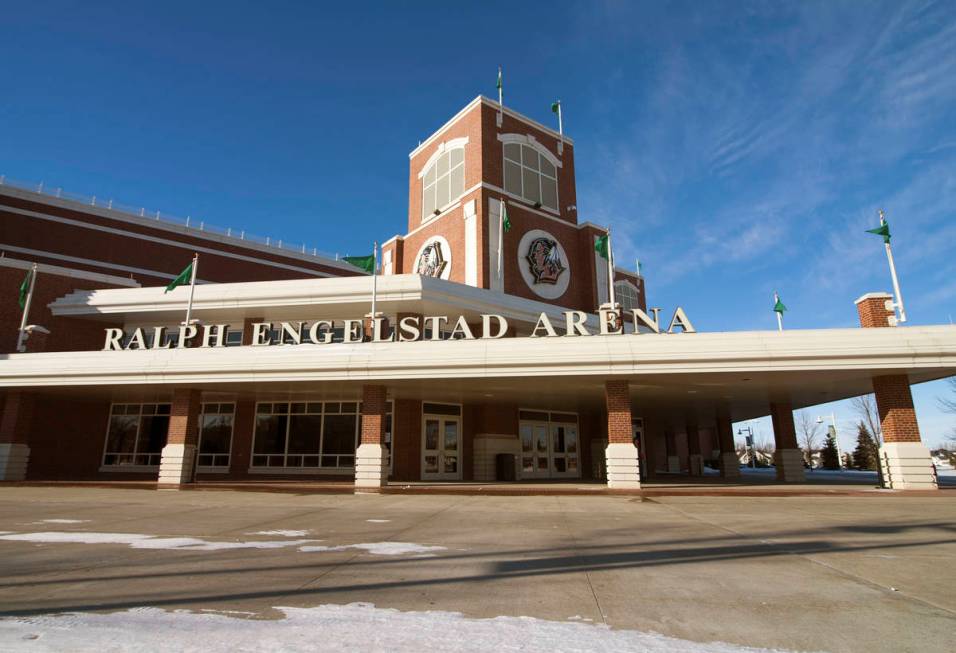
<point>729,463</point>
<point>904,459</point>
<point>694,457</point>
<point>370,468</point>
<point>623,466</point>
<point>787,455</point>
<point>15,423</point>
<point>179,454</point>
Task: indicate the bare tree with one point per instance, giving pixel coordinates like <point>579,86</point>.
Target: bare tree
<point>949,404</point>
<point>808,430</point>
<point>865,408</point>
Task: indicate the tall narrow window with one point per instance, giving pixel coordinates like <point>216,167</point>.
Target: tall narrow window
<point>215,434</point>
<point>530,175</point>
<point>443,182</point>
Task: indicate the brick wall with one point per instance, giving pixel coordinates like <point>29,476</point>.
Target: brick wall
<point>894,401</point>
<point>17,417</point>
<point>619,430</point>
<point>67,443</point>
<point>784,432</point>
<point>407,440</point>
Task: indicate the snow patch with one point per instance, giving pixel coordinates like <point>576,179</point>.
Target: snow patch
<point>282,533</point>
<point>353,627</point>
<point>381,548</point>
<point>378,521</point>
<point>140,541</point>
<point>61,521</point>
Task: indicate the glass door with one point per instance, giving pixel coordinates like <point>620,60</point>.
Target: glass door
<point>534,450</point>
<point>564,450</point>
<point>441,448</point>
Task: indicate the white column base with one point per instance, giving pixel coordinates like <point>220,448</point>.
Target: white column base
<point>13,461</point>
<point>729,465</point>
<point>673,464</point>
<point>176,465</point>
<point>907,466</point>
<point>696,464</point>
<point>623,466</point>
<point>370,467</point>
<point>789,464</point>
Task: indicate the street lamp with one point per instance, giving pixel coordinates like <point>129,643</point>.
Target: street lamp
<point>836,440</point>
<point>750,444</point>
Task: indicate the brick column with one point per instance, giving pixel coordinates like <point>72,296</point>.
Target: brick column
<point>694,458</point>
<point>787,455</point>
<point>904,459</point>
<point>179,454</point>
<point>623,467</point>
<point>729,463</point>
<point>15,423</point>
<point>247,329</point>
<point>370,468</point>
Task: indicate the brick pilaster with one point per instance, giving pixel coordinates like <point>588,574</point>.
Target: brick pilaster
<point>693,438</point>
<point>784,432</point>
<point>894,401</point>
<point>17,417</point>
<point>619,429</point>
<point>183,417</point>
<point>374,410</point>
<point>729,463</point>
<point>875,310</point>
<point>247,329</point>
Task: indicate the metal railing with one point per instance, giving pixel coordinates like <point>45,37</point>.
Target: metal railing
<point>194,224</point>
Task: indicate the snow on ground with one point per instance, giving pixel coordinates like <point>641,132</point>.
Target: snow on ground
<point>382,548</point>
<point>378,521</point>
<point>141,541</point>
<point>61,521</point>
<point>282,533</point>
<point>353,627</point>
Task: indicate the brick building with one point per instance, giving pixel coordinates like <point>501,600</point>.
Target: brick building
<point>494,349</point>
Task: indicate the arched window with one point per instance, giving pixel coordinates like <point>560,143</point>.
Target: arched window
<point>530,175</point>
<point>627,295</point>
<point>443,182</point>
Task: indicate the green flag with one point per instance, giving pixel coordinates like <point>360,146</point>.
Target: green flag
<point>882,230</point>
<point>555,107</point>
<point>498,85</point>
<point>779,307</point>
<point>367,263</point>
<point>183,279</point>
<point>25,289</point>
<point>505,221</point>
<point>600,246</point>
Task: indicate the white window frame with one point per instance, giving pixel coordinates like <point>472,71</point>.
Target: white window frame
<point>444,149</point>
<point>133,467</point>
<point>232,431</point>
<point>301,469</point>
<point>530,141</point>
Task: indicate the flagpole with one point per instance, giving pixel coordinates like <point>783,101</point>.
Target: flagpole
<point>192,288</point>
<point>374,277</point>
<point>26,310</point>
<point>501,235</point>
<point>896,281</point>
<point>501,102</point>
<point>776,300</point>
<point>610,270</point>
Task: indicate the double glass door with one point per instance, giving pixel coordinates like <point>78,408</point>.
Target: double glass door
<point>441,448</point>
<point>549,449</point>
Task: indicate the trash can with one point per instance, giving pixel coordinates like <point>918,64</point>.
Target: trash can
<point>505,467</point>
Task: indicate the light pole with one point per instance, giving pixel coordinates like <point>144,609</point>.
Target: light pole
<point>750,444</point>
<point>836,440</point>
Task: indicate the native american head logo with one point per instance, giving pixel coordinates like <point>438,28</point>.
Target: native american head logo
<point>431,263</point>
<point>544,257</point>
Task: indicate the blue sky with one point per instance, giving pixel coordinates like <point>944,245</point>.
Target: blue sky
<point>735,147</point>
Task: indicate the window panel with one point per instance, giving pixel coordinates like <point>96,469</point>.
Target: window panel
<point>512,178</point>
<point>513,152</point>
<point>270,434</point>
<point>304,433</point>
<point>215,434</point>
<point>339,434</point>
<point>442,165</point>
<point>531,190</point>
<point>549,193</point>
<point>457,182</point>
<point>529,157</point>
<point>429,205</point>
<point>547,168</point>
<point>430,175</point>
<point>122,434</point>
<point>152,434</point>
<point>443,195</point>
<point>456,156</point>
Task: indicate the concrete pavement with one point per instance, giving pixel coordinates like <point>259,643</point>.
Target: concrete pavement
<point>838,573</point>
